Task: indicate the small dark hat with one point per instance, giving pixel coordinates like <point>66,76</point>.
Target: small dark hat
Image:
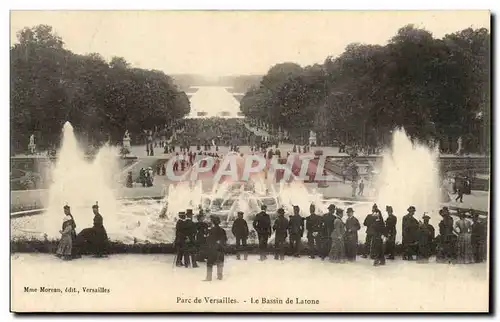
<point>189,212</point>
<point>66,207</point>
<point>350,210</point>
<point>331,207</point>
<point>95,207</point>
<point>388,207</point>
<point>281,211</point>
<point>411,208</point>
<point>182,214</point>
<point>374,206</point>
<point>426,217</point>
<point>215,220</point>
<point>240,213</point>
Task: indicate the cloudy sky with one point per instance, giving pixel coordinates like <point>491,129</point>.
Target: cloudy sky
<point>215,43</point>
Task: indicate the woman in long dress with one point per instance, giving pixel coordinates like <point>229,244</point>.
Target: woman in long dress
<point>337,252</point>
<point>65,246</point>
<point>464,246</point>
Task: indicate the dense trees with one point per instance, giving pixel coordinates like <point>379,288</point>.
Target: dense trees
<point>51,85</point>
<point>437,89</point>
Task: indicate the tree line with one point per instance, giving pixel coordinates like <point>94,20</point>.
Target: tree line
<point>51,85</point>
<point>437,89</point>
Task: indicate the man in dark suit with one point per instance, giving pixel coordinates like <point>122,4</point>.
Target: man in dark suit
<point>313,226</point>
<point>240,232</point>
<point>280,228</point>
<point>326,231</point>
<point>296,230</point>
<point>390,225</point>
<point>262,225</point>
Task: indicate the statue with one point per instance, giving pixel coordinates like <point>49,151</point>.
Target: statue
<point>312,138</point>
<point>32,145</point>
<point>459,143</point>
<point>126,140</point>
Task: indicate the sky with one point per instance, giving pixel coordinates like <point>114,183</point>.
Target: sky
<point>219,43</point>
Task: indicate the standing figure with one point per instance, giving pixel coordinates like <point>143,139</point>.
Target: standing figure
<point>180,238</point>
<point>313,226</point>
<point>351,235</point>
<point>189,256</point>
<point>64,249</point>
<point>426,236</point>
<point>326,231</point>
<point>337,252</point>
<point>410,234</point>
<point>390,225</point>
<point>296,231</point>
<point>280,227</point>
<point>217,240</point>
<point>361,187</point>
<point>368,222</point>
<point>262,225</point>
<point>379,234</point>
<point>460,194</point>
<point>201,237</point>
<point>142,176</point>
<point>446,251</point>
<point>100,240</point>
<point>354,186</point>
<point>130,180</point>
<point>240,232</point>
<point>75,251</point>
<point>464,246</point>
<point>478,238</point>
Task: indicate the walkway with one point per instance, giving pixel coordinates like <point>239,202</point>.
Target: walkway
<point>151,283</point>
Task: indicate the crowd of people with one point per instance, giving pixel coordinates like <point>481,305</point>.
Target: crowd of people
<point>331,237</point>
<point>215,131</point>
<point>93,239</point>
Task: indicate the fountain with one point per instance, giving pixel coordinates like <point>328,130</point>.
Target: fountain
<point>79,184</point>
<point>409,175</point>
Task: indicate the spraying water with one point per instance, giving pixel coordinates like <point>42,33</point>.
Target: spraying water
<point>409,175</point>
<point>79,184</point>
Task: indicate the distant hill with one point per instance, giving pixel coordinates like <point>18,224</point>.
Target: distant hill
<point>239,83</point>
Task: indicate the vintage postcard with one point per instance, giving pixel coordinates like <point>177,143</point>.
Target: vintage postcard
<point>250,161</point>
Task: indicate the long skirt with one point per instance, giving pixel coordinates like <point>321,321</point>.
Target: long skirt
<point>337,252</point>
<point>464,249</point>
<point>65,246</point>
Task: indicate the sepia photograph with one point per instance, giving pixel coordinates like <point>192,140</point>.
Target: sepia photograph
<point>250,161</point>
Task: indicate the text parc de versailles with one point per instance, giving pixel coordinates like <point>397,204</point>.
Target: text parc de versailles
<point>44,289</point>
<point>229,300</point>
